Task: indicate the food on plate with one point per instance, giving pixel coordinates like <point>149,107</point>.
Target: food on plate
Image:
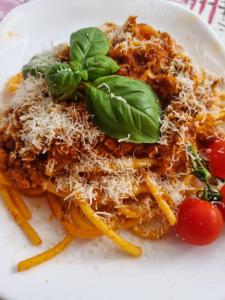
<point>119,131</point>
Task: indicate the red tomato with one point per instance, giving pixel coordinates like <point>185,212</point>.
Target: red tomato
<point>217,158</point>
<point>222,205</point>
<point>199,222</point>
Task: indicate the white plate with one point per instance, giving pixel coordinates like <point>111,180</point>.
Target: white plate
<point>96,269</point>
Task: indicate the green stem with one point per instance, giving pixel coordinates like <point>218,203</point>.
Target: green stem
<point>198,165</point>
<point>209,193</point>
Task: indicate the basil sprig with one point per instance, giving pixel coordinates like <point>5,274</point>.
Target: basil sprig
<point>199,170</point>
<point>124,108</point>
<point>89,47</point>
<point>88,50</point>
<point>198,165</point>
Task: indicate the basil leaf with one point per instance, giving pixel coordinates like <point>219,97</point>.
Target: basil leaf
<point>76,66</point>
<point>62,81</point>
<point>78,69</point>
<point>37,65</point>
<point>88,42</point>
<point>125,109</point>
<point>99,66</point>
<point>84,75</point>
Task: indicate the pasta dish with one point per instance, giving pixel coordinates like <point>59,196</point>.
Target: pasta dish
<point>117,130</point>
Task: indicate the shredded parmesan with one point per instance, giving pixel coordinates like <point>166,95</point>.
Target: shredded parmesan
<point>47,121</point>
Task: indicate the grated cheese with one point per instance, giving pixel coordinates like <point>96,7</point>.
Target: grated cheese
<point>111,187</point>
<point>44,121</point>
<point>32,88</point>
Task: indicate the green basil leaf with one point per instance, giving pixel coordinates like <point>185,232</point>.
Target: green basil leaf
<point>125,109</point>
<point>88,42</point>
<point>99,66</point>
<point>38,65</point>
<point>84,75</point>
<point>76,66</point>
<point>62,81</point>
<point>78,69</point>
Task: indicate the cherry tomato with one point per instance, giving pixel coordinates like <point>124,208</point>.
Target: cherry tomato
<point>222,205</point>
<point>199,222</point>
<point>217,158</point>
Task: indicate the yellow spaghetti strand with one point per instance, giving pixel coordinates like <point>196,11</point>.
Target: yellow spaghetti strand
<point>101,225</point>
<point>79,221</point>
<point>157,194</point>
<point>20,220</point>
<point>21,205</point>
<point>50,187</point>
<point>129,224</point>
<point>72,230</point>
<point>54,205</point>
<point>128,212</point>
<point>45,256</point>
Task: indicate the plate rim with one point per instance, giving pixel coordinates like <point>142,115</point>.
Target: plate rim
<point>163,2</point>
